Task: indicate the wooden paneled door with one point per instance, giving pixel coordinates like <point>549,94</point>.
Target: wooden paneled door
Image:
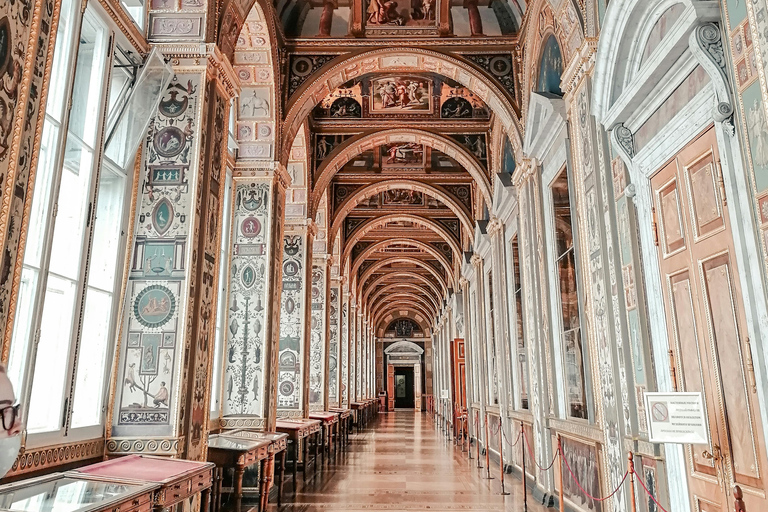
<point>390,388</point>
<point>458,372</point>
<point>706,325</point>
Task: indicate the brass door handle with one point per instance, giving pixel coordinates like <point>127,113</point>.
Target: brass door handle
<point>715,455</point>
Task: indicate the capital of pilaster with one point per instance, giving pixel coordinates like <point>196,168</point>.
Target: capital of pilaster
<point>282,176</point>
<point>463,281</point>
<point>208,55</point>
<point>312,227</point>
<point>495,226</point>
<point>476,260</point>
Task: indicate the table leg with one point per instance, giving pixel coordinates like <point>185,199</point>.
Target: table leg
<point>239,471</point>
<point>296,448</point>
<point>306,456</point>
<point>205,499</point>
<point>282,476</point>
<point>267,466</point>
<point>317,442</point>
<point>219,480</point>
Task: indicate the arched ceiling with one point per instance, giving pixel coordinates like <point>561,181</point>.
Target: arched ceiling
<point>403,130</point>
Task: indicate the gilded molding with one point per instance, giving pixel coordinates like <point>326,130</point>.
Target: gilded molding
<point>126,25</point>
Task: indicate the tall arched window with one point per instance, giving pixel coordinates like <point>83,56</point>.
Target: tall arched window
<point>550,67</point>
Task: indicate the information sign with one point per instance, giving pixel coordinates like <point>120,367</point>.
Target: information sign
<point>676,418</point>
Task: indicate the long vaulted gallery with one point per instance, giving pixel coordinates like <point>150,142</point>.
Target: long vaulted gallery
<point>360,255</point>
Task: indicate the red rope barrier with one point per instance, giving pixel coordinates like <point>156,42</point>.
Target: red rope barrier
<point>584,490</point>
<point>533,457</point>
<point>642,484</point>
<point>504,434</point>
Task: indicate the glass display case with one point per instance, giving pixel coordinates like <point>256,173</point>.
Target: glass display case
<point>69,492</point>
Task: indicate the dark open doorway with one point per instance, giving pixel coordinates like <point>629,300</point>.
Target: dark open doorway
<point>404,387</point>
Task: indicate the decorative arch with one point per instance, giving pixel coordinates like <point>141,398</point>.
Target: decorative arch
<point>376,222</point>
<point>411,241</point>
<point>388,316</point>
<point>402,305</point>
<point>568,30</point>
<point>374,188</point>
<point>400,259</point>
<point>255,61</point>
<point>625,24</point>
<point>405,297</point>
<point>409,275</point>
<point>346,67</point>
<point>371,299</point>
<point>550,67</point>
<point>351,148</point>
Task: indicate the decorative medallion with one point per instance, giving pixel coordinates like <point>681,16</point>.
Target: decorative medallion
<point>174,107</point>
<point>169,142</point>
<point>251,227</point>
<point>162,216</point>
<point>248,276</point>
<point>286,388</point>
<point>154,306</point>
<point>315,293</point>
<point>290,269</point>
<point>290,306</point>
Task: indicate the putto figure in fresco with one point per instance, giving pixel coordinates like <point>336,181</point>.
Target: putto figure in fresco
<point>384,13</point>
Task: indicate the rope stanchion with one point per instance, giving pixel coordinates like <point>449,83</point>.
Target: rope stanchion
<point>487,452</point>
<point>511,445</point>
<point>501,460</point>
<point>524,477</point>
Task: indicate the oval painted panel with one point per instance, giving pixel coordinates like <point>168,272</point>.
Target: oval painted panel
<point>248,276</point>
<point>154,306</point>
<point>290,306</point>
<point>162,216</point>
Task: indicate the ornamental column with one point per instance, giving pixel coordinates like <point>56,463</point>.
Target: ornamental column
<point>344,344</point>
<point>319,339</point>
<point>475,21</point>
<point>295,303</point>
<point>334,342</point>
<point>326,18</point>
<point>162,382</point>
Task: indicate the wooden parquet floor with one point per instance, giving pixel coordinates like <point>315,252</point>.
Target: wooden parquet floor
<point>403,463</point>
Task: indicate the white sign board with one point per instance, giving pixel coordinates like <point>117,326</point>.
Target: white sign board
<point>444,394</point>
<point>676,418</point>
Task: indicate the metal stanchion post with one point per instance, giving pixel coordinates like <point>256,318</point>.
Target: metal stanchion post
<point>501,459</point>
<point>559,449</point>
<point>632,482</point>
<point>522,450</point>
<point>487,451</point>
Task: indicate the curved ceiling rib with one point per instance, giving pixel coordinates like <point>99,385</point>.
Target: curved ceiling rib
<point>383,244</point>
<point>404,286</point>
<point>377,222</point>
<point>401,259</point>
<point>407,275</point>
<point>392,184</point>
<point>353,147</point>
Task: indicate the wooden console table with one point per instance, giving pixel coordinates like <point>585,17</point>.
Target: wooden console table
<point>277,448</point>
<point>299,432</point>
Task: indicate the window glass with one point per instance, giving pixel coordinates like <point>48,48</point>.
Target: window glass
<point>221,314</point>
<point>521,353</point>
<point>60,299</point>
<point>493,369</point>
<point>135,9</point>
<point>565,260</point>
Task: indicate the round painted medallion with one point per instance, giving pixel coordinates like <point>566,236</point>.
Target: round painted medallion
<point>286,388</point>
<point>169,142</point>
<point>154,306</point>
<point>291,268</point>
<point>249,276</point>
<point>251,227</point>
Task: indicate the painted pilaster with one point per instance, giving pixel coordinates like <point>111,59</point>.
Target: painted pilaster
<point>293,358</point>
<point>334,342</point>
<point>318,356</point>
<point>162,397</point>
<point>344,346</point>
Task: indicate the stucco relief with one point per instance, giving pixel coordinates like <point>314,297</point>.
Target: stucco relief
<point>333,351</point>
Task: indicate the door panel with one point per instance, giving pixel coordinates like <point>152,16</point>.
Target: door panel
<point>706,325</point>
